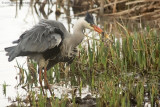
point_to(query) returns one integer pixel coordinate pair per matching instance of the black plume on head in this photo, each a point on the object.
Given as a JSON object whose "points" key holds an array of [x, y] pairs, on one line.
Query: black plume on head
{"points": [[89, 18]]}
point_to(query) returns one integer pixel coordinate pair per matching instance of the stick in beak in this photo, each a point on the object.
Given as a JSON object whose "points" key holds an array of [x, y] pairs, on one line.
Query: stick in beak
{"points": [[105, 35], [97, 29]]}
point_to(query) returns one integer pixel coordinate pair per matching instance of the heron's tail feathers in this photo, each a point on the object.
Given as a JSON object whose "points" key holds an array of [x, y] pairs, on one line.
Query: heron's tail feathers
{"points": [[10, 52]]}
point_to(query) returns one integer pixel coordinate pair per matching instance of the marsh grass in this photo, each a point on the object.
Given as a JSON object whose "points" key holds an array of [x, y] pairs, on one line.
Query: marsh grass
{"points": [[4, 88], [119, 73]]}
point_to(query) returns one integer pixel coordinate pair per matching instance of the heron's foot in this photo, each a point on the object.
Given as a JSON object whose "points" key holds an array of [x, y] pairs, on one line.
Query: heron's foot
{"points": [[47, 86]]}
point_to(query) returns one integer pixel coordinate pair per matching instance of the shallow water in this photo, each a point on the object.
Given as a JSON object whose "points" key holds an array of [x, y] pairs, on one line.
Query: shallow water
{"points": [[11, 28]]}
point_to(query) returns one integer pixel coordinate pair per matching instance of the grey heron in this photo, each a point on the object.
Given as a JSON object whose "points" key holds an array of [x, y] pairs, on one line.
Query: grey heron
{"points": [[49, 43]]}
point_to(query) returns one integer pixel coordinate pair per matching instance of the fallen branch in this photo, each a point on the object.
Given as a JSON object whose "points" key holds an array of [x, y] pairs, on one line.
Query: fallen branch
{"points": [[144, 15], [92, 10], [140, 1], [122, 12]]}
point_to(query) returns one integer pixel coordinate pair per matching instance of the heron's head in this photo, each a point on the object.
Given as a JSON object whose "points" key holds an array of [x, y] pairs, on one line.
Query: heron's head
{"points": [[90, 23]]}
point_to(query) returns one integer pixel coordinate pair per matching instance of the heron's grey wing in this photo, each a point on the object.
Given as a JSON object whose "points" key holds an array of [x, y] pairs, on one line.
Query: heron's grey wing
{"points": [[40, 38], [48, 42], [43, 27], [36, 40]]}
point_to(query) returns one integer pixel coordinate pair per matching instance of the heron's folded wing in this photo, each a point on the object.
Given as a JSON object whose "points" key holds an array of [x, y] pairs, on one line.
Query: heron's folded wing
{"points": [[49, 42], [40, 38]]}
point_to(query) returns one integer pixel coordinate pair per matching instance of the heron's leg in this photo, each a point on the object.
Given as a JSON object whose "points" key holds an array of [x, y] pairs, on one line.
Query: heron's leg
{"points": [[40, 79], [46, 80], [66, 70]]}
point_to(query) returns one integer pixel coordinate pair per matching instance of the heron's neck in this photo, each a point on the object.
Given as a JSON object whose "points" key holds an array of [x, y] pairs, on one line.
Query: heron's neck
{"points": [[78, 35]]}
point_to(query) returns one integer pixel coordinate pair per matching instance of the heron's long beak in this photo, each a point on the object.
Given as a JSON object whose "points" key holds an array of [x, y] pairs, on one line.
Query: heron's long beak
{"points": [[100, 31], [97, 29]]}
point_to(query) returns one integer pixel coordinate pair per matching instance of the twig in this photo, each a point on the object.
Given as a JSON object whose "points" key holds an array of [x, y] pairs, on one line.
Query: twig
{"points": [[42, 9], [16, 9], [102, 8], [114, 7]]}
